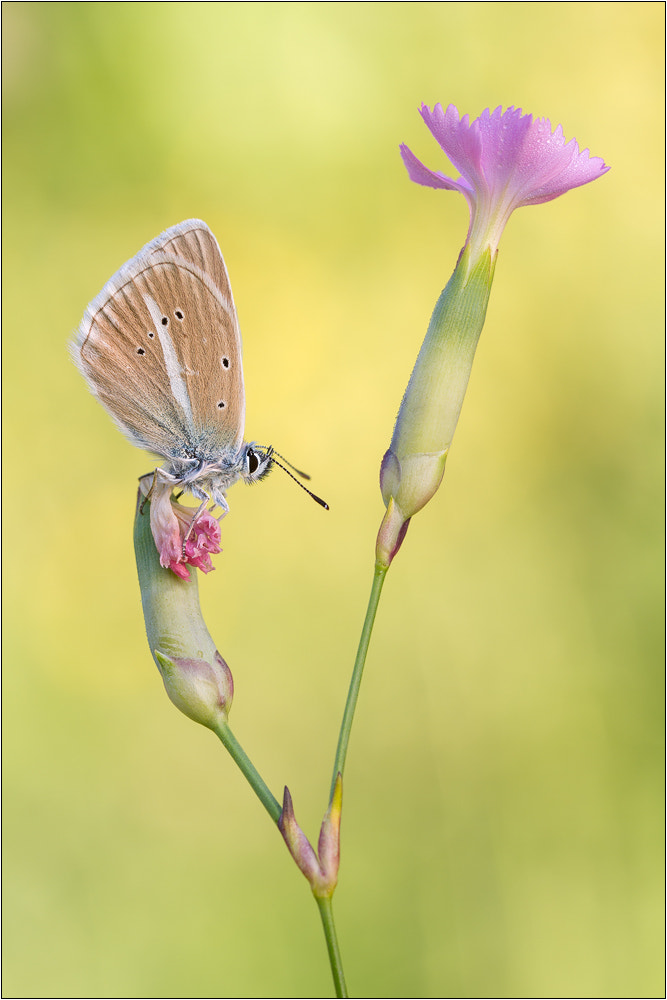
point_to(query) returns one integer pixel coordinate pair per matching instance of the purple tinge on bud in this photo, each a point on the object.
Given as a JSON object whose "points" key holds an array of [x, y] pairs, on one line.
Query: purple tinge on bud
{"points": [[200, 689], [328, 844], [180, 539], [297, 842], [393, 530], [321, 868], [506, 160]]}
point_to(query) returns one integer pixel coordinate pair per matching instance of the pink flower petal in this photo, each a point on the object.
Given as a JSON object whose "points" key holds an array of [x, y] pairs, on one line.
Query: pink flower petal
{"points": [[506, 160], [422, 175], [179, 568], [164, 523], [179, 541], [202, 537]]}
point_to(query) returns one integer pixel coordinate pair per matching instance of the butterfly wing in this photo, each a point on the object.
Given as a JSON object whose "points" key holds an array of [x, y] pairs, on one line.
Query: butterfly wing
{"points": [[194, 242], [160, 347]]}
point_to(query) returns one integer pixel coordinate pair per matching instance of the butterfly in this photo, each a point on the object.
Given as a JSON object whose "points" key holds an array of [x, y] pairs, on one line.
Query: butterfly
{"points": [[160, 347]]}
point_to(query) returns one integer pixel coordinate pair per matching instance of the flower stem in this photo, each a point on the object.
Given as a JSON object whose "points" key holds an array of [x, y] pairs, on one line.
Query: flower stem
{"points": [[326, 913], [355, 682], [274, 810], [249, 770]]}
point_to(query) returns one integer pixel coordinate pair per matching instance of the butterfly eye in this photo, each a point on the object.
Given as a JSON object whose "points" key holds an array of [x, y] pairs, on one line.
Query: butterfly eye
{"points": [[253, 462], [178, 314], [140, 350], [165, 321], [225, 362], [221, 405]]}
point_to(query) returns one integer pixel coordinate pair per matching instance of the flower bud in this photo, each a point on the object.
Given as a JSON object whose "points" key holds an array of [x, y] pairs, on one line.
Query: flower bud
{"points": [[201, 690], [196, 678], [320, 869]]}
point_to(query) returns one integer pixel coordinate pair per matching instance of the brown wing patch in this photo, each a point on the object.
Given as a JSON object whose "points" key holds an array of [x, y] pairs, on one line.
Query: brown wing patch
{"points": [[153, 347], [133, 386], [202, 328]]}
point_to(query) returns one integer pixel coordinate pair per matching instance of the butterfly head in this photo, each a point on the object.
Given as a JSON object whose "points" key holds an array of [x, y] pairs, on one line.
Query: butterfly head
{"points": [[257, 463]]}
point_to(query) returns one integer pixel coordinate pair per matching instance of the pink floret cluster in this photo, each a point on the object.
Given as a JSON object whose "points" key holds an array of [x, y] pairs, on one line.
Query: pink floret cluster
{"points": [[203, 541]]}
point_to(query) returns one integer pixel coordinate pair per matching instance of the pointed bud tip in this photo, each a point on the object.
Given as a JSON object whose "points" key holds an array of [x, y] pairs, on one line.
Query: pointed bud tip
{"points": [[287, 814], [297, 843], [392, 531]]}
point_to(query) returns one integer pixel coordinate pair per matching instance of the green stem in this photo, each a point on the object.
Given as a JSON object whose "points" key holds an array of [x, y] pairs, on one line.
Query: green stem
{"points": [[249, 770], [274, 810], [355, 683], [326, 913]]}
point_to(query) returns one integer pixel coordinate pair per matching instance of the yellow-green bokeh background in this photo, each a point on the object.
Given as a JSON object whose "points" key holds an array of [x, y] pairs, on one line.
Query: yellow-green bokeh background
{"points": [[502, 820]]}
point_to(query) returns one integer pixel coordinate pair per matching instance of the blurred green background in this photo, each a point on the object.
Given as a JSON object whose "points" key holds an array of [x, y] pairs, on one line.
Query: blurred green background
{"points": [[502, 829]]}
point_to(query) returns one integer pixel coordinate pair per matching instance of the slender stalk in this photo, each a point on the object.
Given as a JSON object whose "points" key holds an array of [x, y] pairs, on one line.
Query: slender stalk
{"points": [[274, 810], [326, 913], [249, 770], [355, 683]]}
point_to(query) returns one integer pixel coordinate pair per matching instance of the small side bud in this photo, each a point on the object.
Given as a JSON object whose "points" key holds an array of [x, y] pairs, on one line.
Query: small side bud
{"points": [[203, 691], [328, 845], [320, 869], [393, 530], [196, 677], [297, 842]]}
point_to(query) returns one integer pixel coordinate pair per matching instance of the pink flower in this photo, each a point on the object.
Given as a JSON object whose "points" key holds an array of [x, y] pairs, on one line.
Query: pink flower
{"points": [[172, 524], [203, 539], [506, 160]]}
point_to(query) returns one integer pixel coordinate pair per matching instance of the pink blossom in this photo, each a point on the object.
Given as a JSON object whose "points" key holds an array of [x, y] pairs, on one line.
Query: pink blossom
{"points": [[203, 538], [181, 540], [506, 160]]}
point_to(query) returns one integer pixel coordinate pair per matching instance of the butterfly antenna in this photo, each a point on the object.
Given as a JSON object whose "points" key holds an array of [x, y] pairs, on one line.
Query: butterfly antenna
{"points": [[270, 453]]}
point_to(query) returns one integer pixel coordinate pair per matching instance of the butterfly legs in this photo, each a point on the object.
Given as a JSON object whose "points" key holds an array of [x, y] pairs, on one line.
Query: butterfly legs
{"points": [[218, 500], [188, 533], [163, 482], [146, 491]]}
